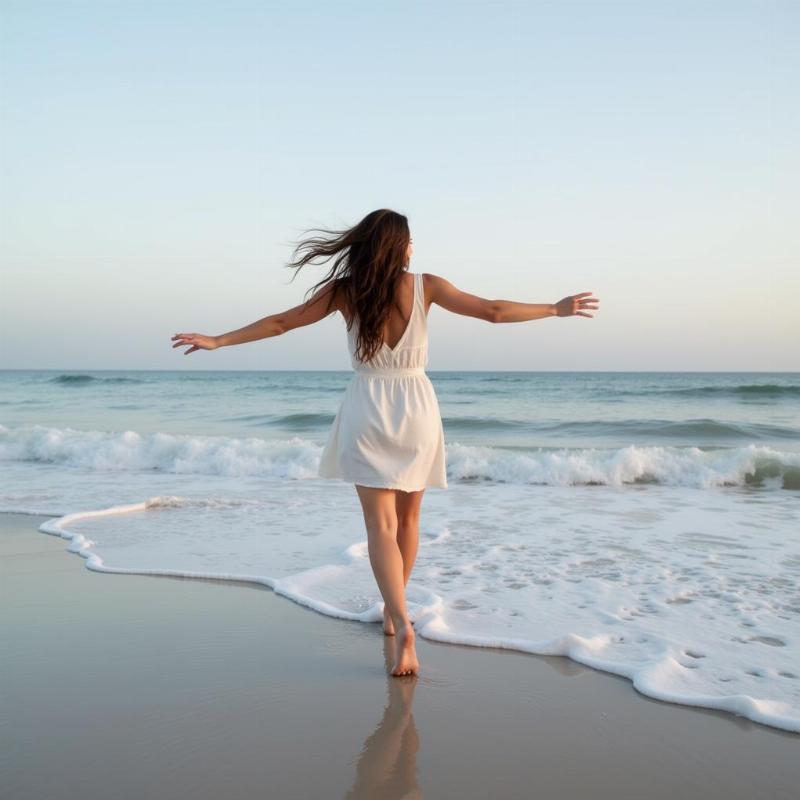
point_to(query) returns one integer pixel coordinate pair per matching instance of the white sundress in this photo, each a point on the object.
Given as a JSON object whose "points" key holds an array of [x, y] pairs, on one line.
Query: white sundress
{"points": [[388, 430]]}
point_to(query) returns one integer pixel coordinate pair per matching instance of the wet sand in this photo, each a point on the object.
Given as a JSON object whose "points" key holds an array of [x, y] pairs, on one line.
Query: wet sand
{"points": [[124, 686]]}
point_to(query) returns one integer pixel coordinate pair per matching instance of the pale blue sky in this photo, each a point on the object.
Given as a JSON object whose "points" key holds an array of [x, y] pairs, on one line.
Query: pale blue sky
{"points": [[159, 158]]}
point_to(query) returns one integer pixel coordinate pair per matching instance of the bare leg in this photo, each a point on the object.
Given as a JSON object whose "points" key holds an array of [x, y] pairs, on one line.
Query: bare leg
{"points": [[380, 517], [407, 505]]}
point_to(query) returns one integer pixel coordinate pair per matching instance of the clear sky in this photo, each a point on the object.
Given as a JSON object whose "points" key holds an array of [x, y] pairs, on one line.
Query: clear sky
{"points": [[158, 159]]}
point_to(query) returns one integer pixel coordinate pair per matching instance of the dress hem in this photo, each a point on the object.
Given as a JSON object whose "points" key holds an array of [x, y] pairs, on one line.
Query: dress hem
{"points": [[373, 485], [398, 488]]}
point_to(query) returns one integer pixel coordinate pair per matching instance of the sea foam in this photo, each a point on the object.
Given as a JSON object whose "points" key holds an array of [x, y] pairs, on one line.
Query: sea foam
{"points": [[689, 593]]}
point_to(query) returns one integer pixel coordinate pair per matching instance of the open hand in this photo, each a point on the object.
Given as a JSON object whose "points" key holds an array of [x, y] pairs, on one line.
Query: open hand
{"points": [[569, 305], [198, 341]]}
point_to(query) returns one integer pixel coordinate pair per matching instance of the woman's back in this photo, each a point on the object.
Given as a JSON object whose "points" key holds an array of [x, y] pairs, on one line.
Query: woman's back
{"points": [[405, 298], [409, 336]]}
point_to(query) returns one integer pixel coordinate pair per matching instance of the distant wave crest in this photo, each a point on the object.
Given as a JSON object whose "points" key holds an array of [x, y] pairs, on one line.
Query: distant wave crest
{"points": [[744, 389], [79, 379], [699, 430]]}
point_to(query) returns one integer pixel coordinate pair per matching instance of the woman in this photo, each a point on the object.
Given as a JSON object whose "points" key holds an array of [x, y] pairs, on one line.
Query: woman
{"points": [[387, 437]]}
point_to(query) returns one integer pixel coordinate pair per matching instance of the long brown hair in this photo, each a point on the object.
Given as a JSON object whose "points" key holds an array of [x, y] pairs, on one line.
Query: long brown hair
{"points": [[371, 258]]}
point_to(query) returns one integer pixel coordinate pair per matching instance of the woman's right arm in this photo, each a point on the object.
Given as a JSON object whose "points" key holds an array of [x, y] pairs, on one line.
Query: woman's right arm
{"points": [[443, 293], [306, 313]]}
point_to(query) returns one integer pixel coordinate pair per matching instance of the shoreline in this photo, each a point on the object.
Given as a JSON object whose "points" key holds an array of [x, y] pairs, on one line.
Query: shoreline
{"points": [[198, 686]]}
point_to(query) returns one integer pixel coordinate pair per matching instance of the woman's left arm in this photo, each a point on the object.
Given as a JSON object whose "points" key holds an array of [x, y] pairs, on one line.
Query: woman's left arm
{"points": [[317, 307]]}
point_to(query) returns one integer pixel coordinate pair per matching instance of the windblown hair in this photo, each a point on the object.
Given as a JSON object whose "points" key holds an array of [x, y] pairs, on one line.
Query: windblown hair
{"points": [[370, 259]]}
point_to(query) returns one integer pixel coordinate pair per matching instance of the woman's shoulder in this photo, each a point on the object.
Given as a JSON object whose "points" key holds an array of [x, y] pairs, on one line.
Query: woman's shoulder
{"points": [[339, 296]]}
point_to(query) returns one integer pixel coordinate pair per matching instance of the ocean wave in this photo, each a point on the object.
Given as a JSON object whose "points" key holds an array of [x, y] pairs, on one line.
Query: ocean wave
{"points": [[743, 389], [114, 451], [693, 429], [752, 465], [297, 422], [80, 379], [499, 385], [298, 458]]}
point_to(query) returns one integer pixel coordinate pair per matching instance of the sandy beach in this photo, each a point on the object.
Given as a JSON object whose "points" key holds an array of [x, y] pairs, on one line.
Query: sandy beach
{"points": [[120, 686]]}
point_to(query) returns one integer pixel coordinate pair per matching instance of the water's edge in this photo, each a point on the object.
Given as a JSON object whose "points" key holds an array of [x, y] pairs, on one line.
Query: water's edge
{"points": [[427, 618]]}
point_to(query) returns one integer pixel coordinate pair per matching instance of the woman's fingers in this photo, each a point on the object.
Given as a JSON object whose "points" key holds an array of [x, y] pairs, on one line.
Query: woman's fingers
{"points": [[590, 303], [197, 341], [570, 305], [183, 339]]}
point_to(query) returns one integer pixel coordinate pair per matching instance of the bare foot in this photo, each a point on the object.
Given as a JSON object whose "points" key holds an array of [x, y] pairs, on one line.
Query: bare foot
{"points": [[388, 625], [405, 659]]}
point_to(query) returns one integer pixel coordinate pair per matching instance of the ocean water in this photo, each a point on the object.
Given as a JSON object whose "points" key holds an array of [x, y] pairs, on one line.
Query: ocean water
{"points": [[645, 524]]}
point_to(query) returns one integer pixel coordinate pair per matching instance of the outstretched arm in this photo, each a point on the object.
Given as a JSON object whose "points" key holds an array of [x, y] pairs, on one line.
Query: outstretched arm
{"points": [[443, 293], [317, 307]]}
